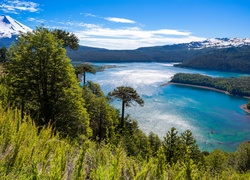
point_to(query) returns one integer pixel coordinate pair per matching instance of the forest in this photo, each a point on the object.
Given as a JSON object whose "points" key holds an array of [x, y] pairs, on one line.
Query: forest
{"points": [[51, 128], [235, 59], [235, 86]]}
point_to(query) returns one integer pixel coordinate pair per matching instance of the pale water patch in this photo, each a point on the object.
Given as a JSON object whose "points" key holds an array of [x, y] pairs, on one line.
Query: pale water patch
{"points": [[216, 119]]}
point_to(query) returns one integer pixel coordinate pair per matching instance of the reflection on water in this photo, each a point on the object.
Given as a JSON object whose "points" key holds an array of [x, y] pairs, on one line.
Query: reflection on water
{"points": [[215, 119]]}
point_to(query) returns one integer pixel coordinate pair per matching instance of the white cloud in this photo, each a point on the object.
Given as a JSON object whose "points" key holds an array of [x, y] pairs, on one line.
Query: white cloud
{"points": [[17, 6], [119, 20], [132, 38], [36, 20]]}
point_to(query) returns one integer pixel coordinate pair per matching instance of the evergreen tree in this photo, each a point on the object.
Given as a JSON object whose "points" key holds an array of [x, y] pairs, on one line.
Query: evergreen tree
{"points": [[172, 146], [42, 83], [242, 156], [154, 142], [3, 54], [127, 95], [103, 117], [83, 69], [188, 144], [69, 40]]}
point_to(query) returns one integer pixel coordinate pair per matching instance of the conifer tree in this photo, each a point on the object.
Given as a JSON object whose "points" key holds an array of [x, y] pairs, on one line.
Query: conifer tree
{"points": [[172, 146], [103, 117], [42, 82], [83, 69], [127, 95]]}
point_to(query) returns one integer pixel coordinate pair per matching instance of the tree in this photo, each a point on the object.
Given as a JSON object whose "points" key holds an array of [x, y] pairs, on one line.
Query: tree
{"points": [[189, 145], [172, 146], [69, 40], [3, 52], [42, 83], [82, 69], [243, 157], [103, 117], [127, 95]]}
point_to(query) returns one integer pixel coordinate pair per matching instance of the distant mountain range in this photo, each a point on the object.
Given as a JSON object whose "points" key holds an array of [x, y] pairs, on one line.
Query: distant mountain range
{"points": [[227, 54]]}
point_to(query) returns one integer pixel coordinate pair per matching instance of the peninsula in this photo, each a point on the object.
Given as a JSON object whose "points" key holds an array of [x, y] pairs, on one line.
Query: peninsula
{"points": [[232, 86]]}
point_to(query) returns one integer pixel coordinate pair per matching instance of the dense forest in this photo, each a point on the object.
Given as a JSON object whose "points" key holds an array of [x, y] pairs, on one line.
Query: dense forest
{"points": [[51, 128], [235, 86], [235, 59]]}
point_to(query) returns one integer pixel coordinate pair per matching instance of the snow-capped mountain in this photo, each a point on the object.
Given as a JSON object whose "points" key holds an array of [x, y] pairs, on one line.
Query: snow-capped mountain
{"points": [[220, 43], [10, 27]]}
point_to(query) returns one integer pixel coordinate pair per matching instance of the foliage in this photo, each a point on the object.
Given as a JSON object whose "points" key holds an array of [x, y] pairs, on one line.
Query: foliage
{"points": [[235, 59], [42, 83], [27, 154], [69, 40], [127, 95], [103, 117], [39, 93], [177, 148], [82, 69], [236, 86], [3, 54]]}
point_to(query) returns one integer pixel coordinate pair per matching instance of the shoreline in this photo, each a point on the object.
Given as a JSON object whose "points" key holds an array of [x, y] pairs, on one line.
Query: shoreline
{"points": [[244, 107], [198, 86]]}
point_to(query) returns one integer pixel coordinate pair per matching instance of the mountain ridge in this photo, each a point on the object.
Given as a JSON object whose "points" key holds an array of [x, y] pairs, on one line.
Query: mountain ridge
{"points": [[232, 54]]}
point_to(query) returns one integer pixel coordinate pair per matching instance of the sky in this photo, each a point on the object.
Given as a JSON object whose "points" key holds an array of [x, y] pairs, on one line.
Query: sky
{"points": [[130, 24]]}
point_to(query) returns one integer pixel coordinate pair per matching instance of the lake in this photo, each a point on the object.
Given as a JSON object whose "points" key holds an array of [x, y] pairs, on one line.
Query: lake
{"points": [[216, 119]]}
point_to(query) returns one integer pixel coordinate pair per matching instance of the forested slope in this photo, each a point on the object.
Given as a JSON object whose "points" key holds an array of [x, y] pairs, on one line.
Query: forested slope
{"points": [[229, 59]]}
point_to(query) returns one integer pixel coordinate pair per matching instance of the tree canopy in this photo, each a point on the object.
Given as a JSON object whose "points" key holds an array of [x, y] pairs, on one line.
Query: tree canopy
{"points": [[83, 69], [128, 96], [42, 83], [69, 40]]}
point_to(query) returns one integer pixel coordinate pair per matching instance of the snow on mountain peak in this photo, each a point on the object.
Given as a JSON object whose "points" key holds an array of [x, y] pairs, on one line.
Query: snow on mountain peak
{"points": [[10, 27], [220, 43]]}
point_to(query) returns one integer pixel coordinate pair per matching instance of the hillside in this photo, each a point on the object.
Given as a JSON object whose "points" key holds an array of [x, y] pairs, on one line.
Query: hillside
{"points": [[234, 59], [223, 54]]}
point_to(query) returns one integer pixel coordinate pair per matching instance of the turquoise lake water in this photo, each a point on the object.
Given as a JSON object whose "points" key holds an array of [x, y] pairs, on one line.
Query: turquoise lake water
{"points": [[216, 119]]}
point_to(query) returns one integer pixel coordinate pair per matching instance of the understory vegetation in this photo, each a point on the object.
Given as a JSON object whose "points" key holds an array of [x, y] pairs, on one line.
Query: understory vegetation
{"points": [[51, 128]]}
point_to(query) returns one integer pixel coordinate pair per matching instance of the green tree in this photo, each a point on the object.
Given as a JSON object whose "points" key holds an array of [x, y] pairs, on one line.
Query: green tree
{"points": [[83, 69], [69, 40], [216, 162], [42, 82], [188, 144], [127, 95], [103, 117], [242, 157], [3, 54], [154, 142], [172, 146]]}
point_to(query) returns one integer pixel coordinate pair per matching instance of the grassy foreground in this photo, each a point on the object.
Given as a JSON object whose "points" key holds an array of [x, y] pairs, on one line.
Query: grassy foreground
{"points": [[27, 154]]}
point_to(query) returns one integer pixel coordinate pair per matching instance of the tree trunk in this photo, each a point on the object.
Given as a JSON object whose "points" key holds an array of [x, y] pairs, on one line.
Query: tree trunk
{"points": [[123, 109], [84, 78]]}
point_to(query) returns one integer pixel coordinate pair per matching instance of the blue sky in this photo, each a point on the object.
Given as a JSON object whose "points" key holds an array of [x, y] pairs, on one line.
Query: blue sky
{"points": [[129, 24]]}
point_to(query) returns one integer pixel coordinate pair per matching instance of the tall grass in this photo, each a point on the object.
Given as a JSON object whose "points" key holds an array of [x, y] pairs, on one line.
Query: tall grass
{"points": [[29, 153]]}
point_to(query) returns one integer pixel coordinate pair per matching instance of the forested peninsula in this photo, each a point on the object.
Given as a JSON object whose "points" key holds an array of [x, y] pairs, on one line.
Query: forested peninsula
{"points": [[234, 86]]}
